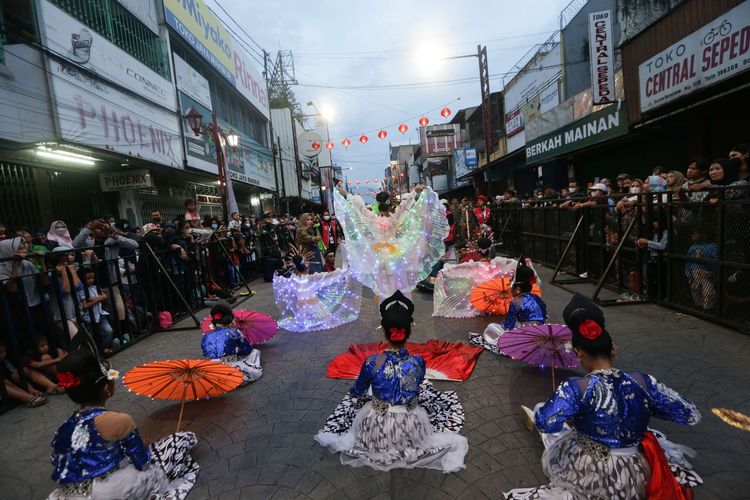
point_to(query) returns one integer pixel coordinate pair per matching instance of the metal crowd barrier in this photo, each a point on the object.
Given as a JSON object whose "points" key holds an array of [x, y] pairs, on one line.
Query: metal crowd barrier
{"points": [[703, 268], [142, 286]]}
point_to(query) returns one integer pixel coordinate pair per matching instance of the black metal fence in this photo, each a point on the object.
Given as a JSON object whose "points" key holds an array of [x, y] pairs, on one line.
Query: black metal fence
{"points": [[116, 294], [688, 251]]}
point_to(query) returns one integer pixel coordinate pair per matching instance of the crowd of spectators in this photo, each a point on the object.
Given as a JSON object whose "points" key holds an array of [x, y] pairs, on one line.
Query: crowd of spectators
{"points": [[116, 282]]}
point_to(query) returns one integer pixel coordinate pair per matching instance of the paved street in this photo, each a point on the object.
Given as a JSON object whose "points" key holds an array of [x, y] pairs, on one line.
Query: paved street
{"points": [[257, 442]]}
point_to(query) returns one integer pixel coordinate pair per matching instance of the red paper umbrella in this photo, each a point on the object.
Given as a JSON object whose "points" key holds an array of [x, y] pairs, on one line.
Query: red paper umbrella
{"points": [[329, 145], [424, 121], [445, 360], [445, 112], [403, 128], [315, 145], [255, 326], [382, 134], [363, 138], [346, 143]]}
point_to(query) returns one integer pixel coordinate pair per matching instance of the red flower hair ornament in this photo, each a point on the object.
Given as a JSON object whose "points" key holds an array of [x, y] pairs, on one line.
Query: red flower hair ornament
{"points": [[68, 380], [397, 334], [590, 329], [217, 316]]}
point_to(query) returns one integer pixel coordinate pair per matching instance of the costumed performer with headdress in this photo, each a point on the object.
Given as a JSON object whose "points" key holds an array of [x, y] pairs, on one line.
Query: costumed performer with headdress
{"points": [[99, 454], [595, 428], [406, 423], [455, 282], [526, 308], [228, 345], [310, 302], [397, 247]]}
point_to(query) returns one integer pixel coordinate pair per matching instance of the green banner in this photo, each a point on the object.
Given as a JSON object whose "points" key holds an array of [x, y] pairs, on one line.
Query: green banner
{"points": [[599, 126]]}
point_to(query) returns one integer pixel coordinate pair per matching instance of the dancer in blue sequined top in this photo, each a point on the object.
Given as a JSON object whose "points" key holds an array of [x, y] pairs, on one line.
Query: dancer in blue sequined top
{"points": [[394, 376], [595, 428], [392, 429], [99, 454], [228, 345]]}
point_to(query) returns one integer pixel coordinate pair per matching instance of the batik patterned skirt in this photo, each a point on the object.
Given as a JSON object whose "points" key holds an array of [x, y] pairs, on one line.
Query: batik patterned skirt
{"points": [[580, 468], [249, 365], [170, 476], [369, 432]]}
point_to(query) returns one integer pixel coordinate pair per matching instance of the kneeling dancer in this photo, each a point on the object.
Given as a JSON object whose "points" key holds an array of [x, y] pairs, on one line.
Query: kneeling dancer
{"points": [[595, 428], [228, 345], [406, 423], [99, 454]]}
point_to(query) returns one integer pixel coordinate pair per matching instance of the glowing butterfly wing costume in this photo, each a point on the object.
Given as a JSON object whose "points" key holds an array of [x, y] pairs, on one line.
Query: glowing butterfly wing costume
{"points": [[317, 301], [455, 282], [393, 253]]}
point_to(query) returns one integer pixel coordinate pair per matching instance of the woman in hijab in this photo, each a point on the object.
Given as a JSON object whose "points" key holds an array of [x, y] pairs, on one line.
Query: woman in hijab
{"points": [[58, 236], [675, 180], [21, 279], [723, 172]]}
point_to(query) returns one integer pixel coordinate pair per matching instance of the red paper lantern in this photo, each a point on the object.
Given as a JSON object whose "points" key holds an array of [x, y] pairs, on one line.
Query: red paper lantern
{"points": [[315, 145], [367, 181], [363, 138], [375, 181], [329, 145], [382, 134], [445, 112], [340, 183], [357, 183], [346, 143], [403, 128], [393, 177], [348, 183], [424, 121], [385, 179]]}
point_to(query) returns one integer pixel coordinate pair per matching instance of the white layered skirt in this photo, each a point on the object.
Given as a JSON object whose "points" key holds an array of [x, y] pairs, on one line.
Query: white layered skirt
{"points": [[249, 365], [369, 432]]}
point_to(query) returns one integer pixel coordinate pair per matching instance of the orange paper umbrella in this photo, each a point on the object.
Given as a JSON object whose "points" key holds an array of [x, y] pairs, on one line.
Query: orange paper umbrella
{"points": [[492, 297], [182, 379]]}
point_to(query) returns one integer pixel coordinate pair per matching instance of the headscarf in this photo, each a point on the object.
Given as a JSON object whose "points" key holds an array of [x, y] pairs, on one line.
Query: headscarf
{"points": [[62, 238], [730, 168], [679, 181], [8, 249]]}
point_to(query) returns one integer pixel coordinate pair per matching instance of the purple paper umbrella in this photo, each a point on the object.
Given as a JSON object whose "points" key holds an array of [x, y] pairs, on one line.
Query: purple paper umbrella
{"points": [[540, 345]]}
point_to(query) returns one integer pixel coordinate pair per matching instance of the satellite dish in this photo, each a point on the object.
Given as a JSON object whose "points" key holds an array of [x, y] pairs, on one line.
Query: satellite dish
{"points": [[306, 140]]}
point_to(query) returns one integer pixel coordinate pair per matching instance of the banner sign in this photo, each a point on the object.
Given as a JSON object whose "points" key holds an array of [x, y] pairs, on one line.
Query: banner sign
{"points": [[513, 123], [207, 199], [123, 181], [440, 140], [194, 21], [461, 164], [191, 82], [68, 38], [597, 127], [471, 157], [601, 48], [91, 112], [717, 51], [251, 163]]}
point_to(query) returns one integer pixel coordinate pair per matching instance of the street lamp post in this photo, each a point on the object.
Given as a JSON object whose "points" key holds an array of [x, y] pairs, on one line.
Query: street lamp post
{"points": [[195, 120]]}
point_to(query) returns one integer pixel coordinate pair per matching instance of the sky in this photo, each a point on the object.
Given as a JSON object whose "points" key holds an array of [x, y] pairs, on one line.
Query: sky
{"points": [[346, 45]]}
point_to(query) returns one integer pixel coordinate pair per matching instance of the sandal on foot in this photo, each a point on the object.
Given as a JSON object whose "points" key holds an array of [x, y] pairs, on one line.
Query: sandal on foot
{"points": [[56, 391], [527, 417], [36, 401]]}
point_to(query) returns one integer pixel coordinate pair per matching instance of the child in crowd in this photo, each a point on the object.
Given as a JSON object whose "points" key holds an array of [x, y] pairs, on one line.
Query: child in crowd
{"points": [[28, 394], [98, 453], [229, 346], [702, 276], [91, 299], [64, 284], [42, 359], [329, 265]]}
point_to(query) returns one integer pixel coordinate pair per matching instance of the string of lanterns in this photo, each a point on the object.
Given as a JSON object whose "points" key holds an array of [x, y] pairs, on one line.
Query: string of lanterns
{"points": [[375, 182], [382, 134]]}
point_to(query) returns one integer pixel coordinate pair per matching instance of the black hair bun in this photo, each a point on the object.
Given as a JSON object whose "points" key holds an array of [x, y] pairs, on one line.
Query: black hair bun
{"points": [[299, 263], [221, 314]]}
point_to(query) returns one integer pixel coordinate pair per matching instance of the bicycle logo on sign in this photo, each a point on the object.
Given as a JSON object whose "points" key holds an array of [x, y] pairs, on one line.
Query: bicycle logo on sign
{"points": [[721, 30]]}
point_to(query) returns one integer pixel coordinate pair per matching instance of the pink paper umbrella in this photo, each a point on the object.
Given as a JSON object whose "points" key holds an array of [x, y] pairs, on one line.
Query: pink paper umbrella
{"points": [[255, 326], [540, 345]]}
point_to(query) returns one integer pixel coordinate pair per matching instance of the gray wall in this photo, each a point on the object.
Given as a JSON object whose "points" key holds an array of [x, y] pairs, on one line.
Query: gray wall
{"points": [[575, 43], [636, 15]]}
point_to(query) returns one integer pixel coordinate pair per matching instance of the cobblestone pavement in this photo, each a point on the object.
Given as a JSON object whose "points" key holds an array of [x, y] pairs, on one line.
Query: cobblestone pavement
{"points": [[257, 442]]}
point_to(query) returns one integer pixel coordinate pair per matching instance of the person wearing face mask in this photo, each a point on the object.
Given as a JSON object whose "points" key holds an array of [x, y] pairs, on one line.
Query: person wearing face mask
{"points": [[331, 232], [58, 236]]}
